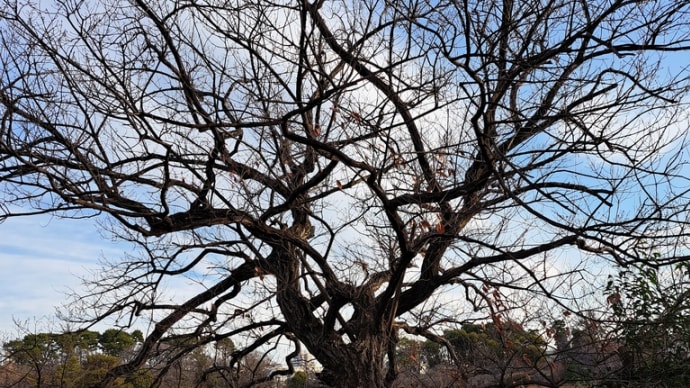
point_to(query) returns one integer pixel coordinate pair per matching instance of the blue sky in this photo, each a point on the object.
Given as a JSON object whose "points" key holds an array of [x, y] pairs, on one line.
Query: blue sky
{"points": [[41, 258]]}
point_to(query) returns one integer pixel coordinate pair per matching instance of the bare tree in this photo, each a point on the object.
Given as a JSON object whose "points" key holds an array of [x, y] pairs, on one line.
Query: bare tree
{"points": [[329, 172]]}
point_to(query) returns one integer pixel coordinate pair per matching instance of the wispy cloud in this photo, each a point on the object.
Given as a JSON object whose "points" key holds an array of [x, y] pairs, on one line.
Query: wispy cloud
{"points": [[41, 258]]}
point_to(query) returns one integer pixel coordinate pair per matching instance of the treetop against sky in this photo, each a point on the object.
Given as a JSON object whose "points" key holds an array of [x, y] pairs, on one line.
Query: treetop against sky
{"points": [[318, 174]]}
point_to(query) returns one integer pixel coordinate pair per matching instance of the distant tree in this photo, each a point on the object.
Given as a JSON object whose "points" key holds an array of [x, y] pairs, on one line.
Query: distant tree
{"points": [[140, 379], [224, 349], [408, 355], [433, 354], [114, 342], [297, 380], [651, 309], [70, 360], [493, 347], [137, 335], [186, 370], [78, 344], [69, 372], [37, 351], [328, 173], [95, 368], [586, 352]]}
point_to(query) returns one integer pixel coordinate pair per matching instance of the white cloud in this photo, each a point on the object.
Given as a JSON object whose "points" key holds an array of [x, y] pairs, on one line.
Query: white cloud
{"points": [[41, 258]]}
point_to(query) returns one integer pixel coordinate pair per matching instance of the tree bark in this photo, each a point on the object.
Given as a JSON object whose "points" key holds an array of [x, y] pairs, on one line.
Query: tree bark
{"points": [[362, 365], [352, 356]]}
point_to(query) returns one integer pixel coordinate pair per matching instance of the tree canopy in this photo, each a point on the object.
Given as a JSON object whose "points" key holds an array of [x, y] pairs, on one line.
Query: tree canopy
{"points": [[328, 174], [71, 359]]}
